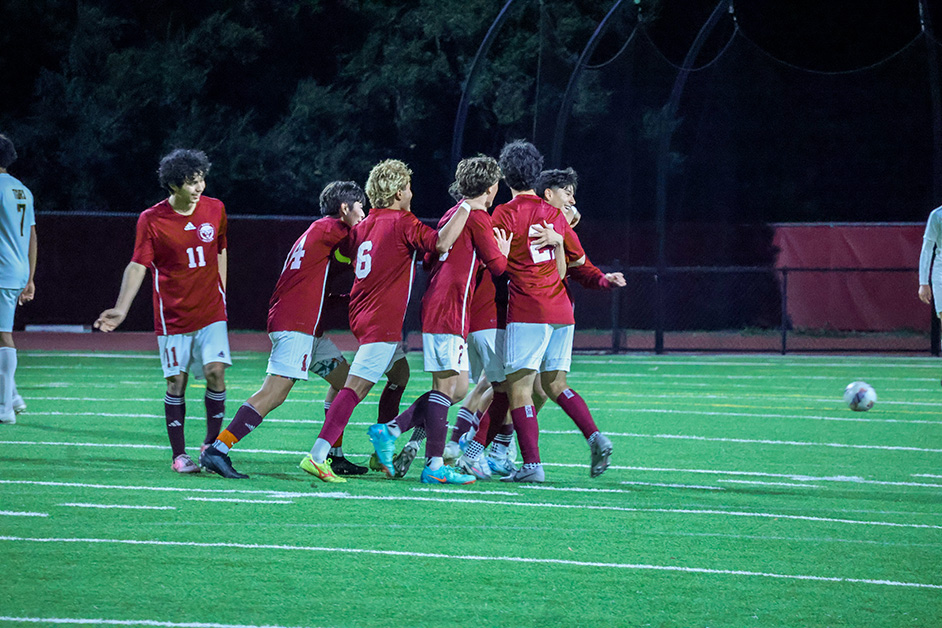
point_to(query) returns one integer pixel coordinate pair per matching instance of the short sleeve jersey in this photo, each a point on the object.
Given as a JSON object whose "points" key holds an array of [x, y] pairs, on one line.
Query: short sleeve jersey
{"points": [[298, 301], [383, 248], [932, 239], [16, 221], [537, 293], [182, 253], [447, 302]]}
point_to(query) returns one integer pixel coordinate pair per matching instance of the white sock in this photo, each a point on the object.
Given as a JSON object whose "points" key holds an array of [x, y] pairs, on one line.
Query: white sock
{"points": [[320, 450], [7, 385], [435, 462]]}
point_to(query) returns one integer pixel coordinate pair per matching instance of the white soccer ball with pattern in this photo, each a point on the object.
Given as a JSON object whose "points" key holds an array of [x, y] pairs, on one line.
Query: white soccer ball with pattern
{"points": [[860, 396]]}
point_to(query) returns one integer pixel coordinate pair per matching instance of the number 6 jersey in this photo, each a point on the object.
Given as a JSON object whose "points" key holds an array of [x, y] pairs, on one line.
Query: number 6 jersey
{"points": [[182, 253], [383, 251]]}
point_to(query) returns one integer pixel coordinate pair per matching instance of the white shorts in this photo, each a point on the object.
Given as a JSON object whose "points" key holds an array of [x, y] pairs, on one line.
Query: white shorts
{"points": [[183, 353], [538, 347], [486, 353], [8, 301], [375, 358], [294, 354], [444, 352]]}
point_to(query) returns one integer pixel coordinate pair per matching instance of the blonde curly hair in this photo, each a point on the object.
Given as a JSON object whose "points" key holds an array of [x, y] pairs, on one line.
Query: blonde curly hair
{"points": [[386, 179]]}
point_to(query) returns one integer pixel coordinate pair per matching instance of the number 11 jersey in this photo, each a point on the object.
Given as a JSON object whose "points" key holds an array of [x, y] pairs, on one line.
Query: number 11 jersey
{"points": [[182, 253]]}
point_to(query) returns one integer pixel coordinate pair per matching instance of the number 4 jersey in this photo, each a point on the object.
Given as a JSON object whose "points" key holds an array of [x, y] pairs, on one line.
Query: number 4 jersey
{"points": [[16, 221], [298, 300], [182, 253]]}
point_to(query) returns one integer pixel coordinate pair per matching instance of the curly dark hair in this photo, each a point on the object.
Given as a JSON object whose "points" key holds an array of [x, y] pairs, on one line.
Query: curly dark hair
{"points": [[521, 164], [475, 175], [336, 193], [7, 152], [555, 179], [182, 165]]}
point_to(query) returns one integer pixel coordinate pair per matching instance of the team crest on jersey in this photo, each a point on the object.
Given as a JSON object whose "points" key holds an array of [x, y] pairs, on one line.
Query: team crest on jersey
{"points": [[207, 232]]}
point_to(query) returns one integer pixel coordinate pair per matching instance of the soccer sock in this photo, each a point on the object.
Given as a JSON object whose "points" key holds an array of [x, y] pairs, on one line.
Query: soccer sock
{"points": [[434, 463], [436, 423], [245, 420], [497, 413], [337, 450], [418, 435], [574, 406], [337, 418], [528, 433], [389, 402], [175, 413], [215, 402], [464, 422], [411, 416], [7, 385], [474, 450]]}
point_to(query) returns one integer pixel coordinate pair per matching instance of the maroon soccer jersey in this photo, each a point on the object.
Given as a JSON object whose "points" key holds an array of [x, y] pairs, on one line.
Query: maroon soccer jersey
{"points": [[181, 252], [537, 293], [298, 300], [383, 248], [447, 301]]}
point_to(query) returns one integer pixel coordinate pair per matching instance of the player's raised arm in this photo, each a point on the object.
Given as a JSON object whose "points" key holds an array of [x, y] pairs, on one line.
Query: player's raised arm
{"points": [[449, 233], [130, 283]]}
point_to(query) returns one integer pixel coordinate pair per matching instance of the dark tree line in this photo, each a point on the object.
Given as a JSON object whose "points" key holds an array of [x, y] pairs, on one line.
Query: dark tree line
{"points": [[288, 95]]}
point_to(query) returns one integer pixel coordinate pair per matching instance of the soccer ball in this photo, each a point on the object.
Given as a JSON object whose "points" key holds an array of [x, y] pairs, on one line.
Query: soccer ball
{"points": [[860, 396]]}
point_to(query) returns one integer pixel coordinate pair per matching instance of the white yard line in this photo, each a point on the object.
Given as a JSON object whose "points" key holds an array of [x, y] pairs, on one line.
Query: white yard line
{"points": [[14, 513], [458, 557], [505, 504], [118, 506], [126, 622]]}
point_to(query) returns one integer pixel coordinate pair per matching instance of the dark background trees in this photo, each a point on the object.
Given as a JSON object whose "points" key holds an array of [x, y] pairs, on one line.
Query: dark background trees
{"points": [[784, 118]]}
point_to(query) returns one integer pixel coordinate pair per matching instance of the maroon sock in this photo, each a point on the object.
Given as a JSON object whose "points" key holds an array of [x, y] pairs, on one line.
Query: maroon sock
{"points": [[175, 413], [498, 413], [484, 428], [413, 415], [245, 420], [339, 415], [436, 423], [463, 424], [574, 406], [389, 402], [215, 402], [528, 433]]}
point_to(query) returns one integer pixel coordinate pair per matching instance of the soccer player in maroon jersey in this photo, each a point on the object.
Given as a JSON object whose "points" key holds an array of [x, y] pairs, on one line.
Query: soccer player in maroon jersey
{"points": [[182, 239], [558, 188], [294, 326], [540, 319], [384, 247], [446, 314]]}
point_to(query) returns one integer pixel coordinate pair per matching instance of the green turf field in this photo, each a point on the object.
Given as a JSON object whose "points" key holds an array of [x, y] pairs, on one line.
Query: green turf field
{"points": [[743, 493]]}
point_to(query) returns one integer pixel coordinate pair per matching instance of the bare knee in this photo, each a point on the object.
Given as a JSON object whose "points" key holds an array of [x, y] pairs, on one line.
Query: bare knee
{"points": [[215, 374]]}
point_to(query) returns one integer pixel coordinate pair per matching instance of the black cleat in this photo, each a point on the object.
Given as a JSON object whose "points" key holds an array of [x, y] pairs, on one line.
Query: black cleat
{"points": [[341, 466], [218, 462]]}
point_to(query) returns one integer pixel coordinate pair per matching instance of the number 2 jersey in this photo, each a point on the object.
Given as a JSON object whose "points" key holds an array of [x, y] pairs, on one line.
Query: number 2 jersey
{"points": [[537, 293], [16, 222], [182, 253], [298, 301], [383, 248]]}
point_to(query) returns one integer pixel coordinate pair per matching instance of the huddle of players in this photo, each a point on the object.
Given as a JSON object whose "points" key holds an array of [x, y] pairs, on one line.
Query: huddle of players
{"points": [[174, 237]]}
